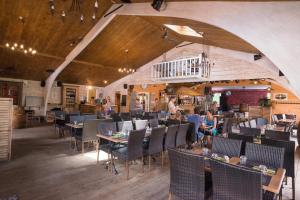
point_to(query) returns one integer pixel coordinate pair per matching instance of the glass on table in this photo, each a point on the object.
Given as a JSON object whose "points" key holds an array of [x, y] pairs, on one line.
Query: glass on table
{"points": [[75, 122], [205, 151], [110, 132], [243, 160]]}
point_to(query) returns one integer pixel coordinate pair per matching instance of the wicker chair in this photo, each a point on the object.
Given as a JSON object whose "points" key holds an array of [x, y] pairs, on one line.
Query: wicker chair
{"points": [[188, 180], [258, 154], [247, 124], [244, 138], [225, 146], [133, 151], [155, 144], [232, 182], [277, 135], [227, 126], [89, 117], [89, 132], [181, 135], [141, 124], [116, 117], [289, 157], [241, 124], [171, 137], [153, 123], [125, 116], [254, 132]]}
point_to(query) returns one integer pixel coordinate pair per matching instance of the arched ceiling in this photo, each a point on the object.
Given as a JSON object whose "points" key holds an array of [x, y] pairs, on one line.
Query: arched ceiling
{"points": [[100, 61]]}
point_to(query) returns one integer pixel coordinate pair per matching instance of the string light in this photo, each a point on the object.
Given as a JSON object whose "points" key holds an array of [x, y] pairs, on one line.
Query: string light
{"points": [[7, 44], [105, 81]]}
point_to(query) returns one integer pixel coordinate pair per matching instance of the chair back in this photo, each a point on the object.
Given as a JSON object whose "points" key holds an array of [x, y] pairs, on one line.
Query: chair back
{"points": [[181, 135], [172, 121], [227, 126], [187, 175], [105, 127], [235, 183], [76, 118], [290, 116], [74, 113], [247, 124], [125, 126], [244, 138], [59, 113], [253, 123], [298, 135], [289, 154], [135, 144], [171, 137], [254, 132], [141, 124], [274, 118], [156, 140], [153, 123], [90, 129], [261, 122], [89, 117], [116, 117], [161, 115], [125, 116], [279, 116], [258, 154], [226, 146], [277, 135]]}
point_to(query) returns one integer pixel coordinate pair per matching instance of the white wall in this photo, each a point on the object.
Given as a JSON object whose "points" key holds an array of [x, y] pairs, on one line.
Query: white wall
{"points": [[229, 65]]}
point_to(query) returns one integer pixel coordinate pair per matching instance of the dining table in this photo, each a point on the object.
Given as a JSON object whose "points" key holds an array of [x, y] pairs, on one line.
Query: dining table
{"points": [[274, 182], [74, 127]]}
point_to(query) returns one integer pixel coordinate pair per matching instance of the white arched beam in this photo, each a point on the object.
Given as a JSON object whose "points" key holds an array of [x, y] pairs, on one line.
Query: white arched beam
{"points": [[89, 37], [272, 27]]}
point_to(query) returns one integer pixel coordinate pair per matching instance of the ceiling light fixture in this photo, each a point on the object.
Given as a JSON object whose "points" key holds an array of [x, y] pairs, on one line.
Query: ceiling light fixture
{"points": [[157, 4], [126, 69], [21, 48]]}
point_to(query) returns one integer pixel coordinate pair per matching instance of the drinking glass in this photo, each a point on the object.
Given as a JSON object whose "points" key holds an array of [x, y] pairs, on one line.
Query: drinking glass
{"points": [[243, 160], [205, 151]]}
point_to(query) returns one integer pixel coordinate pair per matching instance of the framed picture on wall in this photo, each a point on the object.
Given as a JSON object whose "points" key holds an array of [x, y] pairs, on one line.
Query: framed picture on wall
{"points": [[280, 96]]}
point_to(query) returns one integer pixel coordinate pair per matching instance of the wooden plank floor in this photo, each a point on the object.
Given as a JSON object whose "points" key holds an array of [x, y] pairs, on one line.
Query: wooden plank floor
{"points": [[44, 167]]}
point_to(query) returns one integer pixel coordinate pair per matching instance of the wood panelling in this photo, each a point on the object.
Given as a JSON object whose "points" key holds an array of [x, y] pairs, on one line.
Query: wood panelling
{"points": [[6, 115], [46, 33]]}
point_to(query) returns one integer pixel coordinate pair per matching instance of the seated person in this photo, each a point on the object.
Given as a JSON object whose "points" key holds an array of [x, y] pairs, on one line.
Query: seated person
{"points": [[198, 121], [210, 124]]}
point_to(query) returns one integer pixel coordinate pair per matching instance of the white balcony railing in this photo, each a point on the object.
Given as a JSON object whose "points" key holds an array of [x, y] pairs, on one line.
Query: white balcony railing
{"points": [[193, 68]]}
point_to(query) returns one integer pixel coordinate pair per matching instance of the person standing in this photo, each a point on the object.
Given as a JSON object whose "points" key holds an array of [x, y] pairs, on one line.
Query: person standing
{"points": [[172, 109]]}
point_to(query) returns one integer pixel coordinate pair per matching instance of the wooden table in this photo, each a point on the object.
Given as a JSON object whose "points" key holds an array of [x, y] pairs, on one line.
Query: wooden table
{"points": [[276, 180], [75, 127]]}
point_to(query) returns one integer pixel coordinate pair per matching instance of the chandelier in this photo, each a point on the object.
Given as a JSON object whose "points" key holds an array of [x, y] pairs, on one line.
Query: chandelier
{"points": [[76, 6], [126, 68], [21, 48]]}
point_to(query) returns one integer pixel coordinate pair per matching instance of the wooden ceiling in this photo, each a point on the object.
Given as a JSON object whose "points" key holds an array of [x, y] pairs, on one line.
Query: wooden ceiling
{"points": [[49, 35], [100, 61]]}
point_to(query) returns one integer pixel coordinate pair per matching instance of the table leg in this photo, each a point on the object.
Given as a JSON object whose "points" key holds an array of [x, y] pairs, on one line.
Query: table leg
{"points": [[98, 150]]}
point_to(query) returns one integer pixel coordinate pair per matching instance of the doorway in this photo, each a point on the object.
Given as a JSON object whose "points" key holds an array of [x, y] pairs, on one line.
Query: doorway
{"points": [[118, 101]]}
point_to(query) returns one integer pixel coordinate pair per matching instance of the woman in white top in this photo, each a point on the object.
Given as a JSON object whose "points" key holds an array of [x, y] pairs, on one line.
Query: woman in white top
{"points": [[171, 106]]}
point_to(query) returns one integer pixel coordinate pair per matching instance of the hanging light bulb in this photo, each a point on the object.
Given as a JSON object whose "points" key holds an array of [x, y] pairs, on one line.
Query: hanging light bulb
{"points": [[7, 44], [94, 16], [21, 46], [33, 52], [30, 49], [119, 69], [25, 51], [15, 44], [63, 14], [133, 70], [13, 48], [124, 69], [96, 4], [81, 18], [105, 81]]}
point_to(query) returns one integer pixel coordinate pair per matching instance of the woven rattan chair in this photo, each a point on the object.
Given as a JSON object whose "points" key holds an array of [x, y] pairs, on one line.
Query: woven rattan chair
{"points": [[133, 151], [153, 123], [155, 144], [289, 157], [232, 182], [244, 138], [181, 135], [258, 154], [277, 135], [187, 176], [125, 116], [227, 126], [254, 132], [225, 146], [171, 137], [89, 132]]}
